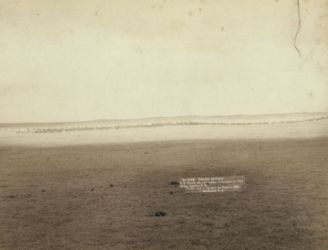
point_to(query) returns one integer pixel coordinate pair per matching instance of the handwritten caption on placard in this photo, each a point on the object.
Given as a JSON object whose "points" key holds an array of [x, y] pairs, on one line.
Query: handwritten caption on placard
{"points": [[213, 184]]}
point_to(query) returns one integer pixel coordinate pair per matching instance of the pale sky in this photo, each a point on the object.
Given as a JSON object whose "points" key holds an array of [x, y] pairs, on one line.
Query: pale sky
{"points": [[80, 60]]}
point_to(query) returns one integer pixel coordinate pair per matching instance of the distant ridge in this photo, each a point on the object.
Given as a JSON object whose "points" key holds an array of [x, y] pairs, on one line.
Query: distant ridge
{"points": [[160, 122]]}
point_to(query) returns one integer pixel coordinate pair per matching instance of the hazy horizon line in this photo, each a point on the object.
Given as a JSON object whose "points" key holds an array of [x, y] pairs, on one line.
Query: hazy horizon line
{"points": [[192, 119]]}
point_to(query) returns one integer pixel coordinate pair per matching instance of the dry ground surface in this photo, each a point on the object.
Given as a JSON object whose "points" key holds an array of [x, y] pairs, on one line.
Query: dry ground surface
{"points": [[105, 196]]}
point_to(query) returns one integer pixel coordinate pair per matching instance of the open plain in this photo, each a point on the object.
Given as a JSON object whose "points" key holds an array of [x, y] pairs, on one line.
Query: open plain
{"points": [[107, 196]]}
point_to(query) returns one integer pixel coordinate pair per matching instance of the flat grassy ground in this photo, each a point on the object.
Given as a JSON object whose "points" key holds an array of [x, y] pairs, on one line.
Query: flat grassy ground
{"points": [[105, 196]]}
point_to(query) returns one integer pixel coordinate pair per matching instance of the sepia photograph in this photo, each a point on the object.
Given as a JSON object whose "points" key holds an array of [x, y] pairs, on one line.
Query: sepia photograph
{"points": [[164, 124]]}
